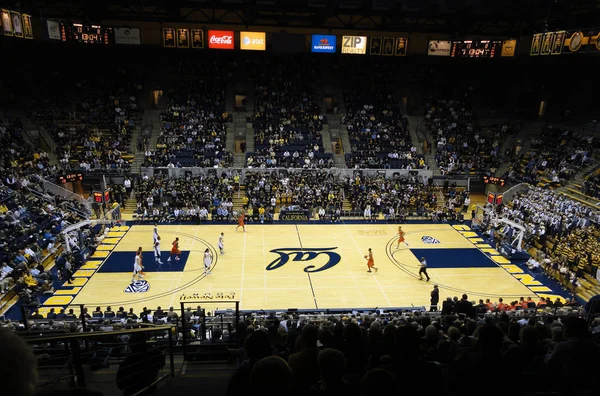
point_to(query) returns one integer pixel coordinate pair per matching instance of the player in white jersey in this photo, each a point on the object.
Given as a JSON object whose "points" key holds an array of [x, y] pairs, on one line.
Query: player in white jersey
{"points": [[155, 233], [137, 266], [207, 261], [221, 243], [157, 252]]}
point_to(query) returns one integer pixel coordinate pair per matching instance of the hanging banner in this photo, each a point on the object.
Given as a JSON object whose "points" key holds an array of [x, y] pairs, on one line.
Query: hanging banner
{"points": [[197, 38], [375, 46], [27, 29], [17, 24], [559, 42], [183, 38], [388, 46], [401, 46], [169, 38], [536, 44], [7, 23]]}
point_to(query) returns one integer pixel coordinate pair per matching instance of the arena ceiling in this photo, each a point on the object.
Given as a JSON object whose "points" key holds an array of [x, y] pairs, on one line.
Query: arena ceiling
{"points": [[460, 17]]}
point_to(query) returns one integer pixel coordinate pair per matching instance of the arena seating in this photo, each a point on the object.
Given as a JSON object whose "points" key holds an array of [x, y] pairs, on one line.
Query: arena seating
{"points": [[555, 156], [268, 192], [561, 231], [30, 219], [162, 199], [93, 128], [286, 119], [378, 133], [462, 147], [194, 127]]}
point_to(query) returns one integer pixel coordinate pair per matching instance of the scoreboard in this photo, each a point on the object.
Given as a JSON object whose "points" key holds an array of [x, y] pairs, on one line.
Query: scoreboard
{"points": [[476, 49], [86, 34]]}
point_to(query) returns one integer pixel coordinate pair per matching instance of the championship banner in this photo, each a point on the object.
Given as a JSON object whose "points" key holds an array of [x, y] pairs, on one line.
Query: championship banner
{"points": [[401, 46], [183, 38], [169, 38], [536, 44], [388, 46], [559, 42], [509, 48], [547, 43], [7, 26], [17, 24], [253, 41], [354, 45], [197, 38], [439, 47], [127, 36], [375, 46], [27, 29], [53, 30]]}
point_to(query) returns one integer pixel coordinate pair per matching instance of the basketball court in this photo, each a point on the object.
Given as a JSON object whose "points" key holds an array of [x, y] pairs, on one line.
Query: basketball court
{"points": [[304, 266]]}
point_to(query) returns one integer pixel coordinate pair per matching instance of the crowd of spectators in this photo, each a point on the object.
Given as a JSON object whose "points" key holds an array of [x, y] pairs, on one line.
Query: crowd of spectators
{"points": [[461, 146], [563, 232], [378, 133], [30, 218], [591, 186], [287, 120], [92, 129], [268, 192], [555, 156], [194, 126], [370, 353], [190, 198], [397, 197]]}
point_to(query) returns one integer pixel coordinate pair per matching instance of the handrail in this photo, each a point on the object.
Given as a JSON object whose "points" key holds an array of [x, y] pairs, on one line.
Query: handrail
{"points": [[72, 336]]}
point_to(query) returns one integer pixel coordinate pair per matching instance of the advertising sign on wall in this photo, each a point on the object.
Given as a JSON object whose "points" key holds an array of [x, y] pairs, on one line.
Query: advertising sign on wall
{"points": [[220, 39], [254, 41], [439, 47], [323, 43], [354, 45]]}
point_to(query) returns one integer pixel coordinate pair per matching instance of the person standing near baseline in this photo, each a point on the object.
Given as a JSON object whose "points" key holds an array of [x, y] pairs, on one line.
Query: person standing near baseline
{"points": [[423, 269], [435, 299], [207, 261]]}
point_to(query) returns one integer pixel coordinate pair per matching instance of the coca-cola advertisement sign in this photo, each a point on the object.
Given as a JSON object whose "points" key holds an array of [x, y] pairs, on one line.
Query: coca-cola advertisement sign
{"points": [[220, 39]]}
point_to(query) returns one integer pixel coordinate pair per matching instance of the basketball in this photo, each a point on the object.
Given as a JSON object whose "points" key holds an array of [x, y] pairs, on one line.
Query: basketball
{"points": [[366, 256]]}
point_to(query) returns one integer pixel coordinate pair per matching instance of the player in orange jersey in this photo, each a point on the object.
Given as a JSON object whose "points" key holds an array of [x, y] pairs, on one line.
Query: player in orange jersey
{"points": [[401, 239], [370, 261], [175, 250], [241, 222]]}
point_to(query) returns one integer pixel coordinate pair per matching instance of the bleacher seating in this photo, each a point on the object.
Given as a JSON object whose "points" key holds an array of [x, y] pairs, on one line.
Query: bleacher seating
{"points": [[92, 129], [286, 119], [554, 157], [194, 126], [378, 133]]}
